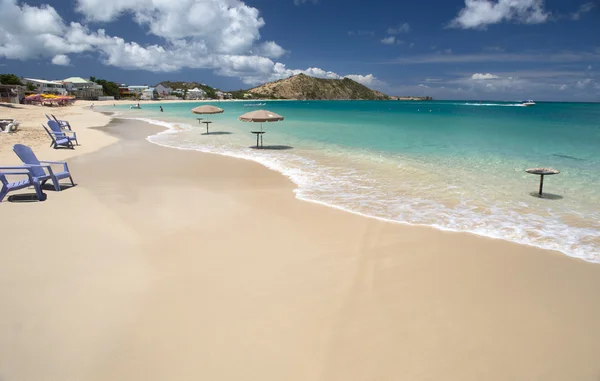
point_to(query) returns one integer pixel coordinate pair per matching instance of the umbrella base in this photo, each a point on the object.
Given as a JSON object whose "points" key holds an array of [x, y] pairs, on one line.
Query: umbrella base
{"points": [[259, 135]]}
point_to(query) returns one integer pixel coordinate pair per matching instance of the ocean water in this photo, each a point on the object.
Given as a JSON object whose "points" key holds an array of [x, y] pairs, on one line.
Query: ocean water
{"points": [[453, 165]]}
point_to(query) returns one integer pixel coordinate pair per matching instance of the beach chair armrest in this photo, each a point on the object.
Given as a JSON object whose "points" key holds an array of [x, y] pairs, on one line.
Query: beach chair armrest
{"points": [[64, 163], [26, 173], [14, 171], [25, 167]]}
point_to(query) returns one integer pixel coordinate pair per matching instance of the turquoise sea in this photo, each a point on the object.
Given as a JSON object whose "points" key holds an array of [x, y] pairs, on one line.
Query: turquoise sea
{"points": [[454, 165]]}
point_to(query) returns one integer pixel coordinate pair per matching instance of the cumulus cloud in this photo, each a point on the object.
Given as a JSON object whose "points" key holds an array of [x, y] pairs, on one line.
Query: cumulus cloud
{"points": [[61, 60], [389, 40], [481, 13], [402, 28], [481, 76], [219, 35], [270, 49], [584, 8], [225, 26]]}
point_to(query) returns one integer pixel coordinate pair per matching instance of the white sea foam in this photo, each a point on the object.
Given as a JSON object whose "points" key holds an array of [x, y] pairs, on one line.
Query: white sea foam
{"points": [[354, 191], [492, 104]]}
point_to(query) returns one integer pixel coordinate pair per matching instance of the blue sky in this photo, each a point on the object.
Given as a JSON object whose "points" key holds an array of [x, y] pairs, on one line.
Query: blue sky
{"points": [[449, 49]]}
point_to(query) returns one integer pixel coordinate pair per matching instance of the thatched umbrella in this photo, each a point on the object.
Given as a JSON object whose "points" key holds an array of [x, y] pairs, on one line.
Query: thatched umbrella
{"points": [[260, 116], [542, 172], [207, 110]]}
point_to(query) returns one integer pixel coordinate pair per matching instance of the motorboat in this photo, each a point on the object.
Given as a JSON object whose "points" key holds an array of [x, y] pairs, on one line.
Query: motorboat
{"points": [[528, 103], [255, 104]]}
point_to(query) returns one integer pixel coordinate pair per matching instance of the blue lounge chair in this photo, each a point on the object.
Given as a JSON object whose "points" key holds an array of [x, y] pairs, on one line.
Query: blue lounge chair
{"points": [[16, 185], [38, 168], [61, 123], [58, 139], [55, 127]]}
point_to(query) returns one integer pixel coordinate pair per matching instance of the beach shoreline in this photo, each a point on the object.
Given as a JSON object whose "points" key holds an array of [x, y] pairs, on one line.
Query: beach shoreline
{"points": [[179, 126]]}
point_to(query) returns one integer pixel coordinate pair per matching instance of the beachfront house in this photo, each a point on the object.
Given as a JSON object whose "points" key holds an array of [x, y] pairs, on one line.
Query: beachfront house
{"points": [[43, 86], [227, 96], [83, 89], [11, 93], [196, 93], [136, 90], [219, 94], [247, 95], [163, 90], [147, 94]]}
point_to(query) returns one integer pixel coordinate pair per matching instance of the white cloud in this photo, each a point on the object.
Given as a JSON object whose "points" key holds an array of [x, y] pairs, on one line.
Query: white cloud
{"points": [[481, 13], [402, 28], [582, 84], [584, 8], [300, 2], [368, 80], [389, 40], [219, 35], [61, 59], [224, 26], [480, 76], [270, 49]]}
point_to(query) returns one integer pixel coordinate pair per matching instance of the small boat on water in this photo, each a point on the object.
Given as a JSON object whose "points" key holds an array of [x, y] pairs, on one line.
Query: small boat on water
{"points": [[255, 104], [528, 103]]}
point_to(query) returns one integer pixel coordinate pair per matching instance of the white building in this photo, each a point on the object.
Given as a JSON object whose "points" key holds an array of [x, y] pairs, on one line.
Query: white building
{"points": [[163, 90], [219, 94], [137, 90], [148, 94], [196, 94], [47, 87], [82, 88]]}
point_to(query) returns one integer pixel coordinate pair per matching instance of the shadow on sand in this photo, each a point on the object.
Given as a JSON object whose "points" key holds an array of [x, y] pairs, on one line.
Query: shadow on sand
{"points": [[9, 105], [50, 187], [273, 148], [546, 196], [218, 133], [25, 198], [32, 197]]}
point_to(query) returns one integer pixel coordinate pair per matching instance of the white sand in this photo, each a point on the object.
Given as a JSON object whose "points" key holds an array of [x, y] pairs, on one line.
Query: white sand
{"points": [[175, 265]]}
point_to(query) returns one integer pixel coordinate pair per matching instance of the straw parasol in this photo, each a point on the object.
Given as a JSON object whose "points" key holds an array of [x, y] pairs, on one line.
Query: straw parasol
{"points": [[260, 116], [207, 110]]}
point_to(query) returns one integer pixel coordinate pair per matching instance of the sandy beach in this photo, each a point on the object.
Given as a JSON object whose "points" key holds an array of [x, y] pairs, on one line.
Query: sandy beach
{"points": [[165, 264]]}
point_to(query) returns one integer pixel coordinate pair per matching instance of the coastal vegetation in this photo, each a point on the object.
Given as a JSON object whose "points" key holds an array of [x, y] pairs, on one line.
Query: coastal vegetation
{"points": [[9, 79], [108, 88]]}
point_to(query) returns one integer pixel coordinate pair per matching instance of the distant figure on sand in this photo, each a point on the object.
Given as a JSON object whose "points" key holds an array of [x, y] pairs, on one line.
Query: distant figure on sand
{"points": [[91, 105], [161, 109]]}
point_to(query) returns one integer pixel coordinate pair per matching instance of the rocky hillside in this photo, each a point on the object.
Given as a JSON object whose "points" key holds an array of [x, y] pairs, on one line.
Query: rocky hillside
{"points": [[304, 87]]}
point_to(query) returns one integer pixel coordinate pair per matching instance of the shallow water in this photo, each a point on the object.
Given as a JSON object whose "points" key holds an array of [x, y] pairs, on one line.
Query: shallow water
{"points": [[452, 165]]}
